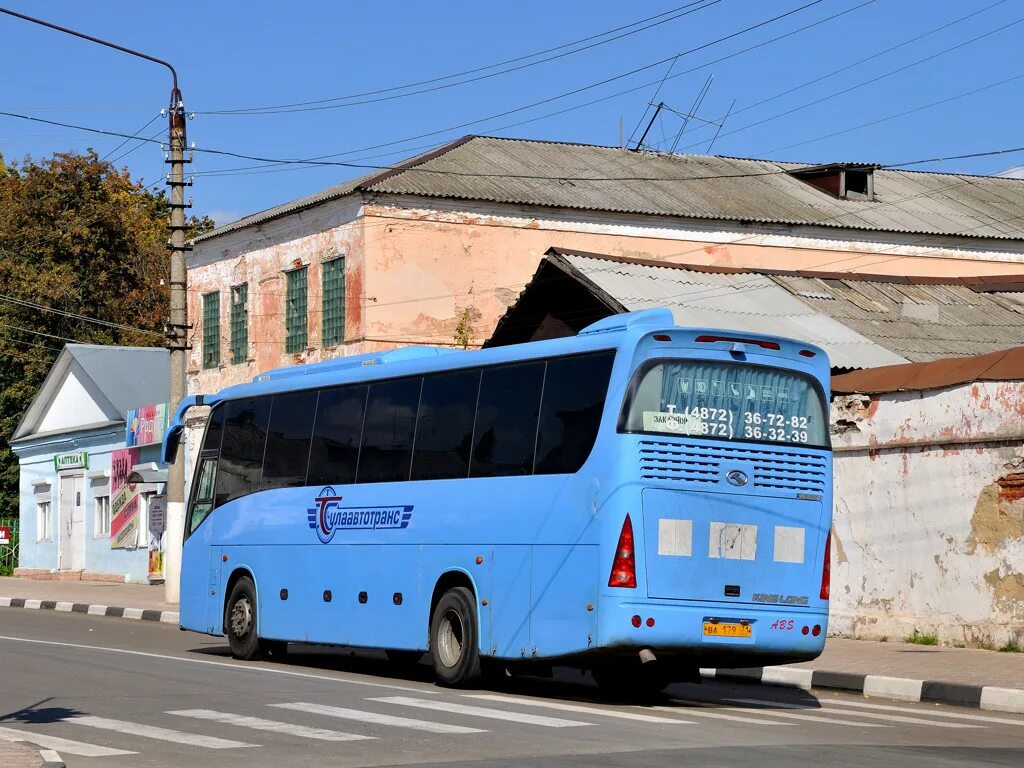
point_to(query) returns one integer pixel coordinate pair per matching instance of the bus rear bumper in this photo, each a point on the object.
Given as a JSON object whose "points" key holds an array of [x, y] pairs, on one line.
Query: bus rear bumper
{"points": [[713, 635]]}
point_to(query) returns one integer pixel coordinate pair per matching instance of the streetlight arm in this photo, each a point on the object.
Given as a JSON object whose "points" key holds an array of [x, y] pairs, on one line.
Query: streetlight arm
{"points": [[95, 40]]}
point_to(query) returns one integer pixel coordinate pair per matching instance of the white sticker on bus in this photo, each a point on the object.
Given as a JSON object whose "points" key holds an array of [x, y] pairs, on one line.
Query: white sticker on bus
{"points": [[731, 541], [789, 544], [675, 537]]}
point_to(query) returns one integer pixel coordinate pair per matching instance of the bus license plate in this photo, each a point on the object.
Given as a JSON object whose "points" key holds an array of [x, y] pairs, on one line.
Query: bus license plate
{"points": [[726, 630]]}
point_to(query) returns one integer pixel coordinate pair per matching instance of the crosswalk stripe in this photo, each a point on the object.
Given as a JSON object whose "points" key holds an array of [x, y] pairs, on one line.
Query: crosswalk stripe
{"points": [[926, 713], [874, 715], [696, 712], [67, 746], [376, 718], [153, 732], [579, 708], [795, 716], [493, 714], [259, 724]]}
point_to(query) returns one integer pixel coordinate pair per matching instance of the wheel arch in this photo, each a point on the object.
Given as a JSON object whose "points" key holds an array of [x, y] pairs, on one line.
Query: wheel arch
{"points": [[236, 574], [455, 577]]}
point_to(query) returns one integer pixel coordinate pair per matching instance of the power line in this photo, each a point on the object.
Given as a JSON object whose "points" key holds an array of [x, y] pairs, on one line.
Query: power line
{"points": [[75, 316], [133, 136], [557, 113], [863, 83], [323, 104]]}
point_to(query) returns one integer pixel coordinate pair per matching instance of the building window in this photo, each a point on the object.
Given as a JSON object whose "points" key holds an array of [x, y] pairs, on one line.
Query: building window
{"points": [[295, 311], [240, 323], [211, 329], [334, 301], [102, 524], [43, 522]]}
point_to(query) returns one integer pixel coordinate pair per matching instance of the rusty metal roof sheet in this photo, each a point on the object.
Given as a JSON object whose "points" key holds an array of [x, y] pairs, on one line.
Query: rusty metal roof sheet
{"points": [[1005, 365], [862, 321], [577, 176]]}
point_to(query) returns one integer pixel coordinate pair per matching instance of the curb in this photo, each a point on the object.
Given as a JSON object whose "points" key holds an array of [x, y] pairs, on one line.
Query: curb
{"points": [[49, 757], [138, 614], [901, 688]]}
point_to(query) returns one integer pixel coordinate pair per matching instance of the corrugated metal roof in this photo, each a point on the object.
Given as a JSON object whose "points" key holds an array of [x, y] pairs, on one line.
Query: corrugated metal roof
{"points": [[685, 186], [861, 322], [1007, 365]]}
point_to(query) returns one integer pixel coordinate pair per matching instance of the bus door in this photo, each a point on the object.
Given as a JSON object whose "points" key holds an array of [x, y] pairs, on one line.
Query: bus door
{"points": [[200, 565]]}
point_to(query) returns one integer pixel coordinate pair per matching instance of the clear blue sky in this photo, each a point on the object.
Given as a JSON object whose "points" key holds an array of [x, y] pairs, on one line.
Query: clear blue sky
{"points": [[234, 54]]}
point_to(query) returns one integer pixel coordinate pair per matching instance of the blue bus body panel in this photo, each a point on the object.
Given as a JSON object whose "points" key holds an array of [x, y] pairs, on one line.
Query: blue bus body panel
{"points": [[538, 549]]}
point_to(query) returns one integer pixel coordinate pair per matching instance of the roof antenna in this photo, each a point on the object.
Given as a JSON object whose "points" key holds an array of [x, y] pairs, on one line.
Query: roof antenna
{"points": [[693, 111], [715, 137], [647, 130]]}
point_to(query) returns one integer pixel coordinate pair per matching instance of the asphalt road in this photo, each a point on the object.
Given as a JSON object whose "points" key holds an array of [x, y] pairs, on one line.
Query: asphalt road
{"points": [[116, 693]]}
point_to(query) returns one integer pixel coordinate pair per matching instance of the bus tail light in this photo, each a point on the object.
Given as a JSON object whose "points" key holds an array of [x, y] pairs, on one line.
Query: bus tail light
{"points": [[762, 343], [624, 566], [826, 568]]}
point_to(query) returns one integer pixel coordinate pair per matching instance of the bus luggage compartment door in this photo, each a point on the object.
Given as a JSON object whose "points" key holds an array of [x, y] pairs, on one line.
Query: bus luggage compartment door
{"points": [[732, 547]]}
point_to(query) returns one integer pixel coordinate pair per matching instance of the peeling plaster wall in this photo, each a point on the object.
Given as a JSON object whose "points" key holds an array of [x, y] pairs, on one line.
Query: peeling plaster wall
{"points": [[929, 518]]}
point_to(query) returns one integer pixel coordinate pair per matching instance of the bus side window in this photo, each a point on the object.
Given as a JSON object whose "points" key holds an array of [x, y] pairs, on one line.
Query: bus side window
{"points": [[291, 429], [388, 431], [241, 453], [574, 395], [444, 426], [339, 424], [506, 420], [202, 505]]}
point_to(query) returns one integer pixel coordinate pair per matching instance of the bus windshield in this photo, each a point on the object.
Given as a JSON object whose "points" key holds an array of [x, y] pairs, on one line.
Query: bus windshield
{"points": [[726, 401]]}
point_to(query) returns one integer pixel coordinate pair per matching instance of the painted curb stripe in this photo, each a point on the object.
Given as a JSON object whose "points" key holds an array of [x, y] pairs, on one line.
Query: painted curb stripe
{"points": [[139, 614], [966, 695]]}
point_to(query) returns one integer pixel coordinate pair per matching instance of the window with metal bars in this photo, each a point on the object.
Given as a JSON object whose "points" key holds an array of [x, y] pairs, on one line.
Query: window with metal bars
{"points": [[295, 320], [240, 323], [211, 329], [334, 301]]}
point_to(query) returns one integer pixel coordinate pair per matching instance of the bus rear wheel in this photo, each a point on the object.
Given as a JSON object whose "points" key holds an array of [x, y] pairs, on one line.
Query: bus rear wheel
{"points": [[240, 620], [454, 639]]}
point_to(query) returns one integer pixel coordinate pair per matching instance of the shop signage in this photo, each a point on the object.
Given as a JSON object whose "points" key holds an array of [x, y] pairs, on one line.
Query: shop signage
{"points": [[157, 523], [124, 500], [5, 536], [76, 460], [145, 425]]}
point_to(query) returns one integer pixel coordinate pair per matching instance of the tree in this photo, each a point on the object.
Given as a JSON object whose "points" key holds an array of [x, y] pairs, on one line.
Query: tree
{"points": [[79, 236]]}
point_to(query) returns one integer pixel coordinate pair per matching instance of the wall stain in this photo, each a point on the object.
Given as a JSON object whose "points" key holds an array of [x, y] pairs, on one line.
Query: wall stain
{"points": [[998, 516], [1008, 588]]}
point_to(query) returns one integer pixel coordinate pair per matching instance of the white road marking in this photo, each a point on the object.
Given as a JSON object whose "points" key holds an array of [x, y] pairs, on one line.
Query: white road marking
{"points": [[926, 713], [155, 732], [49, 755], [796, 716], [698, 712], [494, 714], [875, 715], [259, 724], [579, 708], [376, 718], [225, 664], [62, 745]]}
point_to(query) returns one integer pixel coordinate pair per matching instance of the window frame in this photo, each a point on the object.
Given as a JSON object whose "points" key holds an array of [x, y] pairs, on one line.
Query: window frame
{"points": [[239, 323], [296, 321], [211, 331], [44, 517], [645, 365], [101, 515], [332, 301]]}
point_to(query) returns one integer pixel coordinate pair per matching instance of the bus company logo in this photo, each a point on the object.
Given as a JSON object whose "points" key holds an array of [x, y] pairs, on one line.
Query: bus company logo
{"points": [[326, 516]]}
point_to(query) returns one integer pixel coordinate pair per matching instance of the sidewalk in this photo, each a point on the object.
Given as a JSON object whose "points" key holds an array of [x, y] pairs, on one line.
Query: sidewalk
{"points": [[20, 754], [964, 676]]}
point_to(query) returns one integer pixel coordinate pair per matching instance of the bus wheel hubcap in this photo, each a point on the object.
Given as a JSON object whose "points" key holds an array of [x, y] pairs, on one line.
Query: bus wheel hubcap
{"points": [[450, 638], [241, 618]]}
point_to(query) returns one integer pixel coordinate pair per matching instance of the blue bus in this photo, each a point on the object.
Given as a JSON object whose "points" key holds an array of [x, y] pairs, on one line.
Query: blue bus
{"points": [[639, 500]]}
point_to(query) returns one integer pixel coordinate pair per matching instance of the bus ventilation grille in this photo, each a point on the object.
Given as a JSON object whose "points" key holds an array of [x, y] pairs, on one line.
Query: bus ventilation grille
{"points": [[702, 465]]}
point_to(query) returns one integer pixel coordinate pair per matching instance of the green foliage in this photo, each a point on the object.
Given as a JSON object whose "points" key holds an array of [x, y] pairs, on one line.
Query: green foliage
{"points": [[918, 639], [79, 236], [1011, 646]]}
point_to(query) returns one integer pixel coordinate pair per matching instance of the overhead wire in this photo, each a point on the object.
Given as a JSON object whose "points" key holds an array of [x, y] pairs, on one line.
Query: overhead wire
{"points": [[325, 104]]}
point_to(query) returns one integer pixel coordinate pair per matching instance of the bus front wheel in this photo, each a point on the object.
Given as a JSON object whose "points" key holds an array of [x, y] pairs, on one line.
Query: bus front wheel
{"points": [[240, 620], [454, 643]]}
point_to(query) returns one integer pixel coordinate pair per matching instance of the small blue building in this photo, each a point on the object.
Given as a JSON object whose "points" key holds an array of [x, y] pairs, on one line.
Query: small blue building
{"points": [[66, 443]]}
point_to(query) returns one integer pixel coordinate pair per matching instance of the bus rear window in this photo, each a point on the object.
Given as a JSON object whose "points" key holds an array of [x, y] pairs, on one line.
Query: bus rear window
{"points": [[726, 401]]}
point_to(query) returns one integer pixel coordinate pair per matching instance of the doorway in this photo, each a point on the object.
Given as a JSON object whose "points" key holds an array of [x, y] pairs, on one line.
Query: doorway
{"points": [[71, 555]]}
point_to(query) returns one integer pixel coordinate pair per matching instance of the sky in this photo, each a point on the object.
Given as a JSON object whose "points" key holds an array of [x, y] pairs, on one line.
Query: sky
{"points": [[884, 81]]}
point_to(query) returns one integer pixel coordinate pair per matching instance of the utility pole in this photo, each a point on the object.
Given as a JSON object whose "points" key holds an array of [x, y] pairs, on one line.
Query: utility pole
{"points": [[177, 326]]}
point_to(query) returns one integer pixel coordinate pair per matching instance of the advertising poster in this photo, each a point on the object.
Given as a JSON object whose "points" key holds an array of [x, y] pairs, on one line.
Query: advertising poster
{"points": [[157, 523], [124, 500], [145, 425]]}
